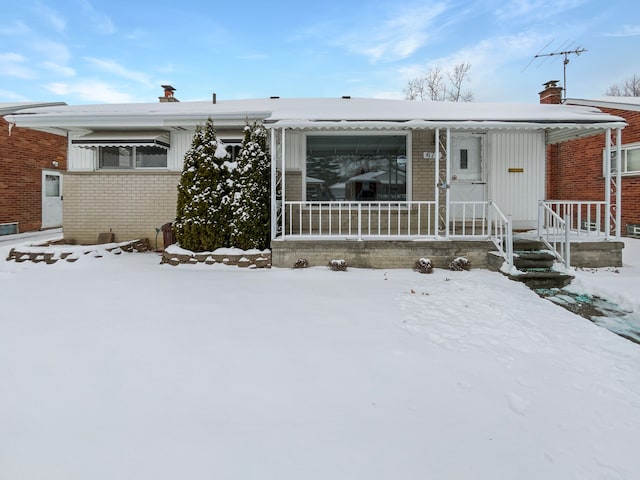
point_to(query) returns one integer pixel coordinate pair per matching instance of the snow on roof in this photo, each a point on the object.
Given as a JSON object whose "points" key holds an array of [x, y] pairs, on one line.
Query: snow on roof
{"points": [[622, 103], [11, 107], [301, 111]]}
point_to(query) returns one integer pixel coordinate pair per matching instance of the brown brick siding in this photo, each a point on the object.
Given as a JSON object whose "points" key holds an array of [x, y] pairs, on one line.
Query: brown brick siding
{"points": [[23, 156], [574, 169], [423, 172]]}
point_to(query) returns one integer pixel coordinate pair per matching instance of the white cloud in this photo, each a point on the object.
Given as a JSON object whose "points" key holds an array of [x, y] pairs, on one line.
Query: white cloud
{"points": [[58, 69], [90, 91], [12, 96], [18, 28], [396, 38], [253, 56], [535, 9], [58, 22], [53, 51], [101, 22], [115, 68], [625, 31], [14, 65]]}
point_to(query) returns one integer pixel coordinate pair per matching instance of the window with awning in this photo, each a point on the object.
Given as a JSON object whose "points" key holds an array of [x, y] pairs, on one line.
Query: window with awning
{"points": [[127, 150], [123, 139]]}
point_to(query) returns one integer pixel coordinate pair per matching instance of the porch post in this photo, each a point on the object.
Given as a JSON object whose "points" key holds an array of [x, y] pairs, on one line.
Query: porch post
{"points": [[274, 207], [618, 182], [447, 191], [283, 144], [437, 183], [607, 182]]}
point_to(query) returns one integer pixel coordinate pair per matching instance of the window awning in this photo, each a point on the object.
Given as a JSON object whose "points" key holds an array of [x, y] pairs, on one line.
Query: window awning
{"points": [[123, 139]]}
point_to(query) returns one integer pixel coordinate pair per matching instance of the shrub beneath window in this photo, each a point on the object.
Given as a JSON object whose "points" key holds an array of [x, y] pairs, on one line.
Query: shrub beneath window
{"points": [[459, 264], [423, 266], [338, 265], [301, 263]]}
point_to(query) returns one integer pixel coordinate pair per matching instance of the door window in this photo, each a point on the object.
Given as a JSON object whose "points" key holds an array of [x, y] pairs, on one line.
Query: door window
{"points": [[52, 186]]}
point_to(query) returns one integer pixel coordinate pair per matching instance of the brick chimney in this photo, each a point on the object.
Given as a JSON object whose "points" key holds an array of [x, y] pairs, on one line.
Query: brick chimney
{"points": [[552, 93], [168, 94]]}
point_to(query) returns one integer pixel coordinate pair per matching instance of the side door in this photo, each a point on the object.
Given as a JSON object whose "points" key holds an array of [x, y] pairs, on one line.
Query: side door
{"points": [[51, 199]]}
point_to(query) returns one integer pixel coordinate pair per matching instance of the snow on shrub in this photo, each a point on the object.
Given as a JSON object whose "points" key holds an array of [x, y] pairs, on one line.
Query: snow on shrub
{"points": [[459, 264], [338, 265], [423, 266], [301, 263]]}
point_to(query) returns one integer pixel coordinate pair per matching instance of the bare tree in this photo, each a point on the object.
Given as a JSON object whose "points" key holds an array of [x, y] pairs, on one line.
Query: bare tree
{"points": [[628, 88], [432, 86]]}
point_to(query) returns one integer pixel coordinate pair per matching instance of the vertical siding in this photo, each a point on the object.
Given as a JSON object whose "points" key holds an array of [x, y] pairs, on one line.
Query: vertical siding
{"points": [[80, 159], [517, 194], [180, 143], [296, 151]]}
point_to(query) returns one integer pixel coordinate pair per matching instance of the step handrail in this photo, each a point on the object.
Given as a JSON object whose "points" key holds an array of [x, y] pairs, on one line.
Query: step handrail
{"points": [[553, 231], [501, 233]]}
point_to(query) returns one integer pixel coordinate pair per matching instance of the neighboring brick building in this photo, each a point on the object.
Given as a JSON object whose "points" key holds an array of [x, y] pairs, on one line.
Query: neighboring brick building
{"points": [[575, 168], [31, 163]]}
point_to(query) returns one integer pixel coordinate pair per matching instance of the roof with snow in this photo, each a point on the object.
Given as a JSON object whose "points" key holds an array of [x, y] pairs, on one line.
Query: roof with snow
{"points": [[320, 113], [621, 103], [7, 108]]}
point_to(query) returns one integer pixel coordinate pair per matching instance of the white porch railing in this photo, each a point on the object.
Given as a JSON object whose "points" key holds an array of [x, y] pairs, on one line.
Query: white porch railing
{"points": [[358, 220], [585, 218], [397, 220]]}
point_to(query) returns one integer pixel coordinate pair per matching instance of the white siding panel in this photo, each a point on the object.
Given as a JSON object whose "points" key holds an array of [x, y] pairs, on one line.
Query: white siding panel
{"points": [[295, 154], [180, 143], [517, 170], [80, 159]]}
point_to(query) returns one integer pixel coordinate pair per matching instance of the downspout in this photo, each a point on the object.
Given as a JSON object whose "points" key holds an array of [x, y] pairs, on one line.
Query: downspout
{"points": [[274, 195], [448, 180], [437, 182], [618, 182], [283, 183], [607, 183]]}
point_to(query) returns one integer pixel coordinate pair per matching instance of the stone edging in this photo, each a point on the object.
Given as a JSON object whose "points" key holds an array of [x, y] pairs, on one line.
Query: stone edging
{"points": [[244, 260], [51, 254]]}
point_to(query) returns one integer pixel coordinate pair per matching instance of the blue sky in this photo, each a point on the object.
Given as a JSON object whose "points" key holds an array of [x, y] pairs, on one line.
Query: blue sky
{"points": [[98, 51]]}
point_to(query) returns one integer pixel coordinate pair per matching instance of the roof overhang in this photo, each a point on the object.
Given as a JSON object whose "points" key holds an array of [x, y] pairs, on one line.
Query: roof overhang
{"points": [[123, 139], [556, 132]]}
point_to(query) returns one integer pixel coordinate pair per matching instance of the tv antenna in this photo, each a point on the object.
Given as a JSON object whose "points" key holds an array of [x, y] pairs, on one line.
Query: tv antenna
{"points": [[576, 51]]}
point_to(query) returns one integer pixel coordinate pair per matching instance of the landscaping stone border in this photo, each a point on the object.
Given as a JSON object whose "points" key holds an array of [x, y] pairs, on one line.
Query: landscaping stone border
{"points": [[51, 254], [244, 260]]}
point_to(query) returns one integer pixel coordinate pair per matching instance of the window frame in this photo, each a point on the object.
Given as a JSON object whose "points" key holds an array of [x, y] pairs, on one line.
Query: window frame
{"points": [[133, 164], [339, 133], [624, 170]]}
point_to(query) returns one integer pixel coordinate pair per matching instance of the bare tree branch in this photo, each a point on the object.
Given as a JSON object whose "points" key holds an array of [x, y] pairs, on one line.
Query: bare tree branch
{"points": [[628, 88], [432, 85]]}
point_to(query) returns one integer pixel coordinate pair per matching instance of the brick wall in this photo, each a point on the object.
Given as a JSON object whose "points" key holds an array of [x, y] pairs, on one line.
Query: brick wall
{"points": [[574, 169], [23, 156], [423, 173], [131, 205]]}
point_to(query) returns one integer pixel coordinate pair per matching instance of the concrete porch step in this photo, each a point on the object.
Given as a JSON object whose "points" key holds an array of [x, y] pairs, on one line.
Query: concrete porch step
{"points": [[542, 278], [534, 269]]}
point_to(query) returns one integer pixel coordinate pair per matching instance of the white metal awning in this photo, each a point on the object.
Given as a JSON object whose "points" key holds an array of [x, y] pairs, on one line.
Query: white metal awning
{"points": [[556, 131], [123, 139]]}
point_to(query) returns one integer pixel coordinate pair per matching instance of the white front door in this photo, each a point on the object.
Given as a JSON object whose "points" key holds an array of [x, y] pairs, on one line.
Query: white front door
{"points": [[468, 183], [51, 199]]}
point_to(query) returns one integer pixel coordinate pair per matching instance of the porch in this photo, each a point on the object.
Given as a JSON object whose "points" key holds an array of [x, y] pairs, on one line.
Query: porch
{"points": [[396, 234]]}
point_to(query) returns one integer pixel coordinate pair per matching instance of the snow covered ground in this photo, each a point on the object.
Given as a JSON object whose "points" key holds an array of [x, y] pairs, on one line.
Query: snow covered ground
{"points": [[121, 368]]}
